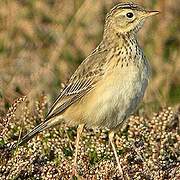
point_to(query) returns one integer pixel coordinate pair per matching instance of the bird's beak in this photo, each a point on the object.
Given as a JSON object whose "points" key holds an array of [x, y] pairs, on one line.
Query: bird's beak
{"points": [[151, 13]]}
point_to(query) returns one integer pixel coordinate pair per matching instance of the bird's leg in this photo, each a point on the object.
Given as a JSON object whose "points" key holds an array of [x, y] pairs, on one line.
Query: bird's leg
{"points": [[79, 131], [111, 139]]}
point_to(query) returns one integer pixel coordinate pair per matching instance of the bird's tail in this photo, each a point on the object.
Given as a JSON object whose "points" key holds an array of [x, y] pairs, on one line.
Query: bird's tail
{"points": [[41, 127]]}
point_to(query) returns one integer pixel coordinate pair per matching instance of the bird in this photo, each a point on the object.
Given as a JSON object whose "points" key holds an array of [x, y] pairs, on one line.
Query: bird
{"points": [[109, 84]]}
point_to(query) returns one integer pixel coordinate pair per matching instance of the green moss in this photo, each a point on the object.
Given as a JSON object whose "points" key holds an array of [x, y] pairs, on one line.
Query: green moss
{"points": [[93, 157], [67, 151]]}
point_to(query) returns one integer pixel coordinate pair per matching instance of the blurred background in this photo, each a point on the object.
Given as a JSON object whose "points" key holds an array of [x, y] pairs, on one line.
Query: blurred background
{"points": [[42, 43]]}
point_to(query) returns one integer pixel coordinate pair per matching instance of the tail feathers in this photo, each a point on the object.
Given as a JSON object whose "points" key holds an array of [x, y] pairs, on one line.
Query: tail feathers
{"points": [[41, 127], [32, 133]]}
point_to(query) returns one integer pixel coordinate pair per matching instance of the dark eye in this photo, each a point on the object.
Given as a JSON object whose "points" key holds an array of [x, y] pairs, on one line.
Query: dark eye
{"points": [[129, 15]]}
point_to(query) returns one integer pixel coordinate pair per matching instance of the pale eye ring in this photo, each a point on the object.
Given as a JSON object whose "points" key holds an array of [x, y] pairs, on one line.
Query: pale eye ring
{"points": [[129, 14]]}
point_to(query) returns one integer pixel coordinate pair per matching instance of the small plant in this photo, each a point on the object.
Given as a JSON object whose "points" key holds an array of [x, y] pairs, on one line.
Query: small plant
{"points": [[148, 148]]}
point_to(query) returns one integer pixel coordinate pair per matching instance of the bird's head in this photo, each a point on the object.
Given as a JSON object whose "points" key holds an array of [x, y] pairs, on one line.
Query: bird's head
{"points": [[127, 17]]}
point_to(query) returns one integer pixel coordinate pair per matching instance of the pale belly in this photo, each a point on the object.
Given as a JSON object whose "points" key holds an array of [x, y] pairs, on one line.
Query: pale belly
{"points": [[118, 96], [112, 101]]}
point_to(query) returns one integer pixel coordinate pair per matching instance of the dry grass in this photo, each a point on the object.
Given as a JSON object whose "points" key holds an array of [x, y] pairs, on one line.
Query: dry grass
{"points": [[41, 44]]}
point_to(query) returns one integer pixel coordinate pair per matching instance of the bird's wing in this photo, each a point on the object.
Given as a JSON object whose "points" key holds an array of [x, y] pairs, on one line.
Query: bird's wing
{"points": [[83, 80]]}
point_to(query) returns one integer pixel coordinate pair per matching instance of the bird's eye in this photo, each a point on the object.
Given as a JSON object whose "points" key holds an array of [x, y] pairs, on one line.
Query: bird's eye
{"points": [[129, 15]]}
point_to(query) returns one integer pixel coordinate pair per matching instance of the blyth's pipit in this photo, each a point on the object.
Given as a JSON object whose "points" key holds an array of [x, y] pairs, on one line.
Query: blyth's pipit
{"points": [[109, 84]]}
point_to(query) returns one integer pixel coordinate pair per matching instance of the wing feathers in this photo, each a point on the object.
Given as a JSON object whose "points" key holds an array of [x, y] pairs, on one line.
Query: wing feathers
{"points": [[65, 105], [71, 95], [83, 81]]}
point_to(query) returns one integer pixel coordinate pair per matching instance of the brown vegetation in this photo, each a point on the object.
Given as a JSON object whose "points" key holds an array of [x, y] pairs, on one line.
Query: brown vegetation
{"points": [[148, 148], [41, 44]]}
